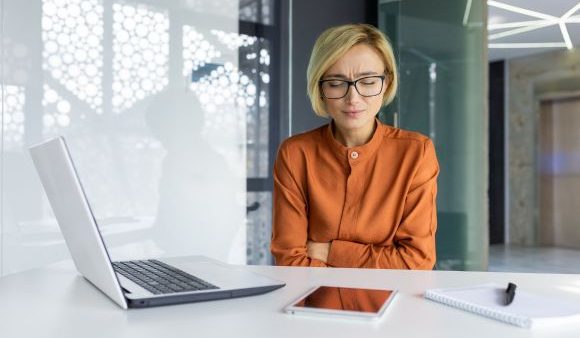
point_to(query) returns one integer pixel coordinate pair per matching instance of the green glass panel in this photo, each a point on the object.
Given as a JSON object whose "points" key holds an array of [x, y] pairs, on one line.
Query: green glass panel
{"points": [[441, 51]]}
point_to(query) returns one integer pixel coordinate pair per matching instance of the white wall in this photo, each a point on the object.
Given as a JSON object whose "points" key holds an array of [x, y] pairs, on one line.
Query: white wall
{"points": [[162, 159]]}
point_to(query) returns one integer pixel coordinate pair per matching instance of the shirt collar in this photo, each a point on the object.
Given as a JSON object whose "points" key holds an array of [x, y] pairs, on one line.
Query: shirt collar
{"points": [[363, 152]]}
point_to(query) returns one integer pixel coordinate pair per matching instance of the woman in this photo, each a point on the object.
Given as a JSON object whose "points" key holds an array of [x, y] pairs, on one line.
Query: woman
{"points": [[354, 193]]}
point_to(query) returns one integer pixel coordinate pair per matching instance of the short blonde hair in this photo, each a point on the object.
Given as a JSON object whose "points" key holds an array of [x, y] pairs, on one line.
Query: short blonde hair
{"points": [[333, 43]]}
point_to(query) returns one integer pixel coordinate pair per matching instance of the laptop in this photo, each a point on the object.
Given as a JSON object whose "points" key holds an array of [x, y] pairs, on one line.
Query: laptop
{"points": [[139, 283]]}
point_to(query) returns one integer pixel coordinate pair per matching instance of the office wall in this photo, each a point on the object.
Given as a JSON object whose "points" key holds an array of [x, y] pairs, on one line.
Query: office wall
{"points": [[530, 78], [150, 98]]}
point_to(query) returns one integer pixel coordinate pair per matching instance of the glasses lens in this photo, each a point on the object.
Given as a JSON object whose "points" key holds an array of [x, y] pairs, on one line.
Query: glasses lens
{"points": [[369, 86], [334, 89]]}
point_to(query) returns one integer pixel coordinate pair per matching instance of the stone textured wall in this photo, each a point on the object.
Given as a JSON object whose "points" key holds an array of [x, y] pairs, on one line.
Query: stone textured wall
{"points": [[530, 78]]}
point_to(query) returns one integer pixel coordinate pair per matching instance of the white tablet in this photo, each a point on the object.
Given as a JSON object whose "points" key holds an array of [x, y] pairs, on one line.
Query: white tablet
{"points": [[342, 301]]}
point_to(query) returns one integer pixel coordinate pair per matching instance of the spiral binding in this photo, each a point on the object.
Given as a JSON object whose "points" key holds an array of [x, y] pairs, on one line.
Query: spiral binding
{"points": [[502, 316]]}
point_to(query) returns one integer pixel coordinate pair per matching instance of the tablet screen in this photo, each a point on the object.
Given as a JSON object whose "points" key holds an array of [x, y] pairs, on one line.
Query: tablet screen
{"points": [[364, 301]]}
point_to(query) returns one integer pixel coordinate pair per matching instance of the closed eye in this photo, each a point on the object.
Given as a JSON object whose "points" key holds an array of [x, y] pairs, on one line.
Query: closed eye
{"points": [[368, 82], [335, 83]]}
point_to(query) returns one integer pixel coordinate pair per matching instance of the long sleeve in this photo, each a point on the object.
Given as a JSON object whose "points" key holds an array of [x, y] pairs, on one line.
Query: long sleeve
{"points": [[374, 203], [413, 245], [290, 216]]}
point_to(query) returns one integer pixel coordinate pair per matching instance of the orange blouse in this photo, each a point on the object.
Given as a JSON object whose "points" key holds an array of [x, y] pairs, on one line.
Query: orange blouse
{"points": [[374, 203]]}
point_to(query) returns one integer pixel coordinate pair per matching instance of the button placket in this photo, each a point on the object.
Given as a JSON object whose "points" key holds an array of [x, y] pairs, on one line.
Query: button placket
{"points": [[347, 224]]}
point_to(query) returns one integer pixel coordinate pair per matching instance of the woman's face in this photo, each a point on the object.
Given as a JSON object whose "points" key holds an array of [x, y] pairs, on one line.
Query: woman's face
{"points": [[355, 112]]}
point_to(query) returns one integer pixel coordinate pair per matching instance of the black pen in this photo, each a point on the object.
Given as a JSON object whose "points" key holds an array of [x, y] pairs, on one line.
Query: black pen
{"points": [[510, 293]]}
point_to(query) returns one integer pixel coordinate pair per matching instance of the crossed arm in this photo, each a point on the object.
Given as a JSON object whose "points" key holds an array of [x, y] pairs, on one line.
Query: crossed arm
{"points": [[413, 246]]}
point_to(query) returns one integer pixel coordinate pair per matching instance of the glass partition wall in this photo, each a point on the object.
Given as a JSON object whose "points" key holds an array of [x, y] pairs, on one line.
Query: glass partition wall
{"points": [[171, 111], [441, 52], [158, 101]]}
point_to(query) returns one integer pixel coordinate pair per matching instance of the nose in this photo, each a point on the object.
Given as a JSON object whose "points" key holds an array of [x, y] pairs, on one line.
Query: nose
{"points": [[352, 94]]}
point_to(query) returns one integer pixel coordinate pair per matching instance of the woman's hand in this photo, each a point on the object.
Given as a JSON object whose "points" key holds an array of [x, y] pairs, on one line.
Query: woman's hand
{"points": [[318, 250]]}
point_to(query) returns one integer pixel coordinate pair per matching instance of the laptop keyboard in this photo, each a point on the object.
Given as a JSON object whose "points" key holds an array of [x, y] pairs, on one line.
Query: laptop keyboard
{"points": [[160, 278]]}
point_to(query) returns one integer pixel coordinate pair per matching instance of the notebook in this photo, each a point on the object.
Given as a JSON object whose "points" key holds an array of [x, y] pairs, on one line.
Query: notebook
{"points": [[527, 309]]}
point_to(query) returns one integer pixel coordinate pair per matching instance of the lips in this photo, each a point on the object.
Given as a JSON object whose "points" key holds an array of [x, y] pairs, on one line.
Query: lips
{"points": [[353, 113]]}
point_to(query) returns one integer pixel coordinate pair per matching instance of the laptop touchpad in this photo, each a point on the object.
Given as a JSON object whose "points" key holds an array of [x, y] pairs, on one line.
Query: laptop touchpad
{"points": [[224, 277]]}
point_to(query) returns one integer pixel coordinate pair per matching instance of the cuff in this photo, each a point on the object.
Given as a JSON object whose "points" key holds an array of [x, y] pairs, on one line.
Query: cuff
{"points": [[343, 254], [317, 263]]}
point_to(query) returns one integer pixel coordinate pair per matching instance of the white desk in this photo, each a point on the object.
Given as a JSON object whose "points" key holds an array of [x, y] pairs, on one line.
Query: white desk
{"points": [[56, 302]]}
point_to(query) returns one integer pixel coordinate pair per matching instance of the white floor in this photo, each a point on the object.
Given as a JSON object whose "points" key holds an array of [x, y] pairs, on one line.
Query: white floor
{"points": [[533, 259]]}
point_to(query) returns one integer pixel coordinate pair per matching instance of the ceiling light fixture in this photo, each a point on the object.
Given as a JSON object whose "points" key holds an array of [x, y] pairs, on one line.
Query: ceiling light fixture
{"points": [[528, 45], [566, 36], [526, 26], [563, 25], [520, 30], [570, 12], [497, 26], [520, 10], [467, 11]]}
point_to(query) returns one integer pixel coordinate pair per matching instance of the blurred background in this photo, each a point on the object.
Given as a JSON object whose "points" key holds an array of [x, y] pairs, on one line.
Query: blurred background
{"points": [[174, 111]]}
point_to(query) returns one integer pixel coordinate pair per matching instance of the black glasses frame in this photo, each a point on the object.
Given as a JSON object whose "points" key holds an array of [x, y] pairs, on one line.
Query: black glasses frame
{"points": [[351, 83]]}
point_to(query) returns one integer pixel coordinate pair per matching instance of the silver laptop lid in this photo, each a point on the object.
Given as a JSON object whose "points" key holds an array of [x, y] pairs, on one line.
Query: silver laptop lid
{"points": [[75, 218]]}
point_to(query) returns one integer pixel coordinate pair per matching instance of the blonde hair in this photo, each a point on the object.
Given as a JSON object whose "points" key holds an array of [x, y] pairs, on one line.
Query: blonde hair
{"points": [[333, 43]]}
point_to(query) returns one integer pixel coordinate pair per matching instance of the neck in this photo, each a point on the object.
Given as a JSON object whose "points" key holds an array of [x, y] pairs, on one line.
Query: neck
{"points": [[354, 137]]}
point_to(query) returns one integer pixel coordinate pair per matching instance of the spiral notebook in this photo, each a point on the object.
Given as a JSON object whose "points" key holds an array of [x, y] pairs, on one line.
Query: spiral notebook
{"points": [[527, 310]]}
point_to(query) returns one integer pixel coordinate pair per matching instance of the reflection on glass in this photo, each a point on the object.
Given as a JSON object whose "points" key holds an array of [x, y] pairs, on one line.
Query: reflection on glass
{"points": [[234, 40], [57, 113], [225, 9], [259, 11], [194, 186], [255, 61], [12, 102], [72, 36], [141, 53], [197, 51], [259, 222], [350, 299], [94, 71]]}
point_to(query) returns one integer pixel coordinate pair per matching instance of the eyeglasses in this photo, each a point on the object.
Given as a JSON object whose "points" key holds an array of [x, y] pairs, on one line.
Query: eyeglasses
{"points": [[366, 86]]}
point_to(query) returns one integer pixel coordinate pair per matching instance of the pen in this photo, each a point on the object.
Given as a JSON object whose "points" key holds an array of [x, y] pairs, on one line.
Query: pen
{"points": [[510, 293]]}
